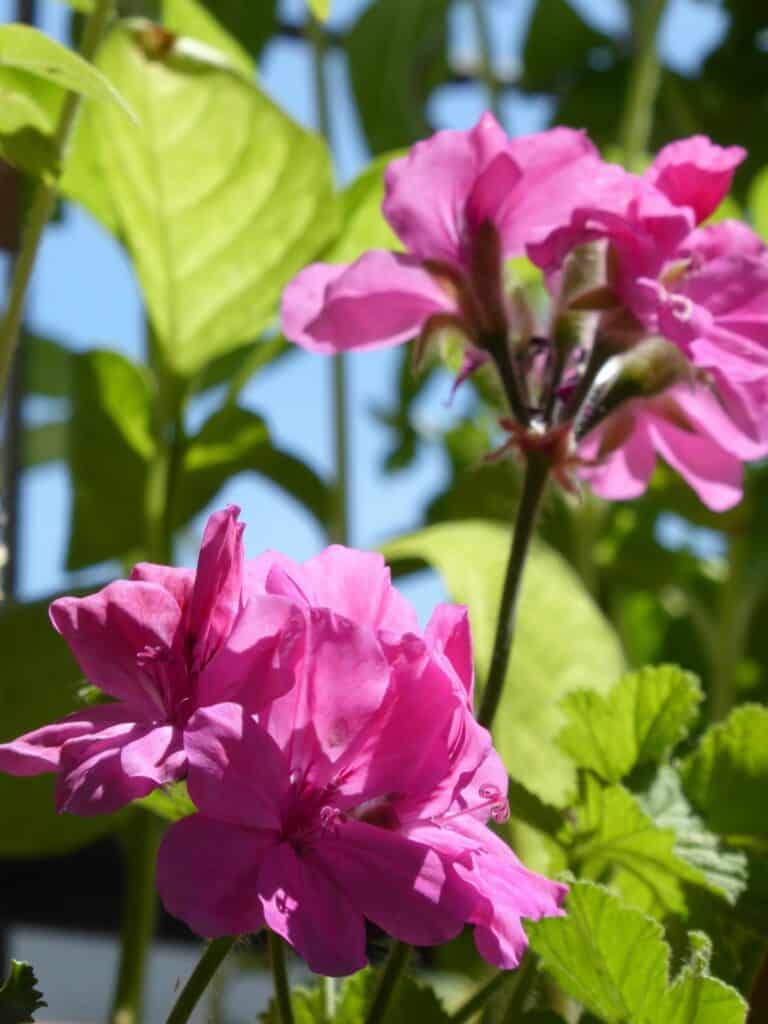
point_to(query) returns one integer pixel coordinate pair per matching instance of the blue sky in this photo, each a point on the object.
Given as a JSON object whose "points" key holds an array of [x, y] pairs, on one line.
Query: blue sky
{"points": [[84, 293]]}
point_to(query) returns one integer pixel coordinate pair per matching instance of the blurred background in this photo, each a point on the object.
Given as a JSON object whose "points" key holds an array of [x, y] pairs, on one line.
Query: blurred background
{"points": [[677, 582]]}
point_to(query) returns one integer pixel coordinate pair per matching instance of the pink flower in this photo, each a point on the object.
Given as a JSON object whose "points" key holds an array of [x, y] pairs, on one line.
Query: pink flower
{"points": [[362, 793], [161, 644], [461, 202]]}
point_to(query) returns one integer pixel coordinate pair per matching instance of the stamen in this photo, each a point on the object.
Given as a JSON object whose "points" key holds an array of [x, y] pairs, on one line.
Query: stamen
{"points": [[492, 798], [330, 819]]}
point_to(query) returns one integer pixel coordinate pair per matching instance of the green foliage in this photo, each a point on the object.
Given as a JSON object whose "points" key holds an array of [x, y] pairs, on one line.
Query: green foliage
{"points": [[362, 225], [639, 721], [614, 960], [320, 8], [171, 802], [562, 641], [239, 30], [726, 777], [39, 685], [19, 995], [406, 43], [25, 126], [212, 249]]}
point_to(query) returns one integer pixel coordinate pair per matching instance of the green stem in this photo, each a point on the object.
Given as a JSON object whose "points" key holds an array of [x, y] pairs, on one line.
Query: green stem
{"points": [[644, 79], [477, 1001], [207, 965], [43, 203], [483, 30], [329, 997], [388, 983], [525, 979], [534, 483], [280, 978], [140, 842]]}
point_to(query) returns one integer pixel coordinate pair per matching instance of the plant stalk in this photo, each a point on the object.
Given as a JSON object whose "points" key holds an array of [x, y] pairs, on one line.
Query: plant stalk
{"points": [[198, 982], [644, 81], [280, 978], [140, 842], [534, 483], [43, 203], [393, 969]]}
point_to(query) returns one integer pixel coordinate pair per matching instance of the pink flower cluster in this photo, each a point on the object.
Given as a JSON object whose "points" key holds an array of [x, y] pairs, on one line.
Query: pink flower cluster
{"points": [[330, 750], [463, 203]]}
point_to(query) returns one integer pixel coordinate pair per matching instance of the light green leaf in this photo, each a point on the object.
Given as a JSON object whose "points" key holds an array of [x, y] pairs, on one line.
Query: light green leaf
{"points": [[308, 1008], [615, 835], [758, 202], [362, 223], [219, 196], [24, 47], [237, 29], [640, 720], [111, 446], [665, 803], [36, 691], [320, 8], [562, 641], [25, 132], [614, 960], [19, 995], [726, 777], [171, 802], [79, 5]]}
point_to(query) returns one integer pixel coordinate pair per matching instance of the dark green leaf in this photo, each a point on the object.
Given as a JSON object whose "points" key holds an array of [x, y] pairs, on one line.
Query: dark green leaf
{"points": [[47, 367], [642, 718], [726, 777], [37, 690], [557, 46], [405, 41], [19, 996], [47, 442]]}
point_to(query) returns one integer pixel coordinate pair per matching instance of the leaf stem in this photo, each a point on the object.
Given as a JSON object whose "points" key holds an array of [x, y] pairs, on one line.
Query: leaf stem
{"points": [[140, 842], [491, 82], [644, 80], [280, 978], [212, 958], [393, 969], [43, 202], [534, 483]]}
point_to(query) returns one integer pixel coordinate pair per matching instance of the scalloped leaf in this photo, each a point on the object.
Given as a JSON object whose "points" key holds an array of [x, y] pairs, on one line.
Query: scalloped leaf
{"points": [[19, 995]]}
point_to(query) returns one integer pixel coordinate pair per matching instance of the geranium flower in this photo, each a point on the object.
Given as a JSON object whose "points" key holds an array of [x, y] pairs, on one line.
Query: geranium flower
{"points": [[362, 793], [161, 644]]}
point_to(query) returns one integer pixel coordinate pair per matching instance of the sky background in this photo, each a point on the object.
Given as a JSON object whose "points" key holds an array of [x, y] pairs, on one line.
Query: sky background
{"points": [[84, 293]]}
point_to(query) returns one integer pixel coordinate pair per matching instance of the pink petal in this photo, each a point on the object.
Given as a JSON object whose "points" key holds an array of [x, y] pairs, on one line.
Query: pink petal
{"points": [[312, 913], [491, 190], [216, 596], [178, 582], [258, 660], [448, 632], [380, 300], [714, 475], [427, 190], [236, 771], [207, 875], [625, 472], [157, 756], [728, 415], [694, 172], [398, 884], [108, 630], [727, 238]]}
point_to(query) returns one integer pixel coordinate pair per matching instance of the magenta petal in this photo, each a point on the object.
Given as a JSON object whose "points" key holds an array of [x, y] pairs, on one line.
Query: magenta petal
{"points": [[178, 582], [449, 633], [215, 600], [623, 473], [107, 630], [358, 585], [380, 300], [207, 875], [398, 884], [491, 190], [302, 904], [157, 756], [714, 474], [694, 172], [236, 771]]}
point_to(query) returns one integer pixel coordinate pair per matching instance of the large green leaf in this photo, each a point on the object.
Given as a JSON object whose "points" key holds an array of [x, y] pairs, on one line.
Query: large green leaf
{"points": [[726, 777], [40, 683], [642, 718], [19, 995], [111, 446], [614, 960], [28, 49], [403, 42], [562, 641], [362, 222], [219, 196], [238, 29]]}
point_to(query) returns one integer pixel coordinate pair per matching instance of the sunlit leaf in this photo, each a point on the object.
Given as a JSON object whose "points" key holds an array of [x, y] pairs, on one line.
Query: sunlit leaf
{"points": [[237, 29], [171, 802], [362, 224], [562, 642], [19, 995]]}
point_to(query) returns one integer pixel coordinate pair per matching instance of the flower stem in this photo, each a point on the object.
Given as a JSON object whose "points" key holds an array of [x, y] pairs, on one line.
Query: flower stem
{"points": [[207, 965], [390, 977], [43, 203], [534, 483], [280, 978], [140, 842], [644, 80], [477, 1001], [483, 31]]}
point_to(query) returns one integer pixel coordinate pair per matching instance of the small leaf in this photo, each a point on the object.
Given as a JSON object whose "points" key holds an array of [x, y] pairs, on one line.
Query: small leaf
{"points": [[320, 8], [562, 642], [640, 720], [726, 777], [614, 960], [19, 996], [171, 802], [362, 224], [24, 47]]}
